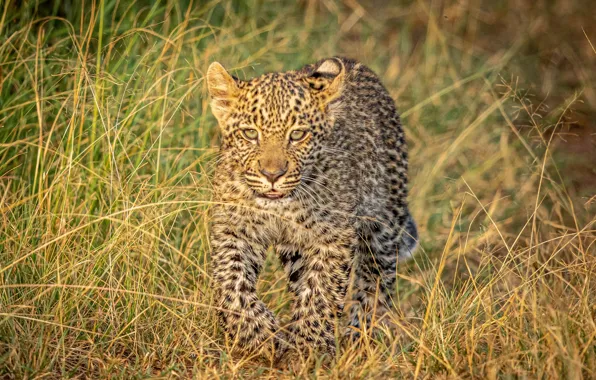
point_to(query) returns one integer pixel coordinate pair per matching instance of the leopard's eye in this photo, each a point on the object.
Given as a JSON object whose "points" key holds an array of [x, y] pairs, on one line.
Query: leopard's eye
{"points": [[250, 134], [298, 135]]}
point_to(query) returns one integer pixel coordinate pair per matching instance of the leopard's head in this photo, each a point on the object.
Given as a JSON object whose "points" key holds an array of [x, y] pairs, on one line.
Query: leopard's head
{"points": [[272, 125]]}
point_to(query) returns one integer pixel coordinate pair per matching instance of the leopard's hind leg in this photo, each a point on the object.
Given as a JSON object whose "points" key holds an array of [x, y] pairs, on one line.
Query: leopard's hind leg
{"points": [[381, 246]]}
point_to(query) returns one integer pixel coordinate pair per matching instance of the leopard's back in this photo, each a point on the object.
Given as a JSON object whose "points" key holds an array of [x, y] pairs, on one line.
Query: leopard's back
{"points": [[368, 146]]}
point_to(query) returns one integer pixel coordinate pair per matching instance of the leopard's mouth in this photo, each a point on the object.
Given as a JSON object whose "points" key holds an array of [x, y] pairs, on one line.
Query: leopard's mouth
{"points": [[272, 195]]}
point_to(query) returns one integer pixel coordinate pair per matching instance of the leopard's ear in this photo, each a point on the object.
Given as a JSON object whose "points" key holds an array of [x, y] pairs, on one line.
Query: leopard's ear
{"points": [[223, 90], [326, 79]]}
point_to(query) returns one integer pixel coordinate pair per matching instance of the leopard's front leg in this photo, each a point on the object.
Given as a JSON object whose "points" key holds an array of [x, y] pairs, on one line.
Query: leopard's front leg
{"points": [[318, 277], [237, 260]]}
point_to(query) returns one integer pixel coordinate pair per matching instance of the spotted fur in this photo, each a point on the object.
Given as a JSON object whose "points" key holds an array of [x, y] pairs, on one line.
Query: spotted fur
{"points": [[332, 201]]}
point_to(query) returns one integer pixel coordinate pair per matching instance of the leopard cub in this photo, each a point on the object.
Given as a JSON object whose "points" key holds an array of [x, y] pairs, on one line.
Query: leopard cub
{"points": [[314, 163]]}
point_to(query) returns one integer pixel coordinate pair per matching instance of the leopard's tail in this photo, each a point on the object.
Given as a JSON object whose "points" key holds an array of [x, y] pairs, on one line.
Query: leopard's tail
{"points": [[409, 239]]}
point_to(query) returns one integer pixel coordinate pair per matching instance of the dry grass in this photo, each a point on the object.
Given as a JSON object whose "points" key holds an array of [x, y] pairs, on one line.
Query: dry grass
{"points": [[106, 145]]}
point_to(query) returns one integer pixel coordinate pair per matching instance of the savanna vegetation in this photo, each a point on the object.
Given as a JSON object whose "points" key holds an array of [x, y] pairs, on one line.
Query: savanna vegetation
{"points": [[107, 143]]}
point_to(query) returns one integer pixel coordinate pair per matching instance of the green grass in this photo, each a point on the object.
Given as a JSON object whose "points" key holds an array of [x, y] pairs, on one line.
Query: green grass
{"points": [[107, 144]]}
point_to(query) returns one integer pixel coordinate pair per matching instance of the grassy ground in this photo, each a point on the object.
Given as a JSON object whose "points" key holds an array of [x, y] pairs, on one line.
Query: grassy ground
{"points": [[106, 145]]}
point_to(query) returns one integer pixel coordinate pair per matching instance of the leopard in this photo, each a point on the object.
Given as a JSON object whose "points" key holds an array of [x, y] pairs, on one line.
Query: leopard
{"points": [[312, 163]]}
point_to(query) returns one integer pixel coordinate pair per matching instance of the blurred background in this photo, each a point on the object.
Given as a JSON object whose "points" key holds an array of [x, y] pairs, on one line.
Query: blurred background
{"points": [[107, 145]]}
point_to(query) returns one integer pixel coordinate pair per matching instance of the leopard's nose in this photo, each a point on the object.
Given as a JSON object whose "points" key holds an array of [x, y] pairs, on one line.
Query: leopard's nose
{"points": [[273, 174]]}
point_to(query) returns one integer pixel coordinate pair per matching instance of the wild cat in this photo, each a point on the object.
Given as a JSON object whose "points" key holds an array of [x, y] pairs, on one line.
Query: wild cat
{"points": [[314, 163]]}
